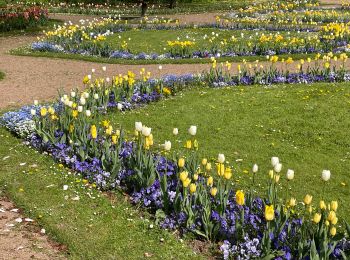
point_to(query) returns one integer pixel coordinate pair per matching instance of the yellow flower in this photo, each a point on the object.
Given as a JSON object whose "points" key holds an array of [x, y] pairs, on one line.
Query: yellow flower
{"points": [[334, 205], [75, 113], [186, 182], [183, 176], [269, 212], [322, 204], [334, 221], [188, 144], [208, 167], [228, 173], [204, 161], [71, 128], [213, 191], [331, 216], [271, 174], [181, 162], [240, 197], [307, 199], [210, 181], [220, 169], [292, 202], [51, 110], [86, 80], [109, 130], [193, 188], [195, 176], [43, 111], [317, 218], [93, 132], [333, 231], [114, 139], [276, 178]]}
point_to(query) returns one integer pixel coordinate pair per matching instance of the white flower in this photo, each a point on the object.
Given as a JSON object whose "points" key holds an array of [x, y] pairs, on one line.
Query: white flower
{"points": [[192, 130], [82, 101], [290, 174], [108, 80], [160, 67], [138, 126], [278, 167], [146, 131], [80, 109], [88, 113], [95, 96], [33, 112], [221, 158], [326, 175], [93, 70], [104, 68], [120, 106], [72, 94], [36, 102], [175, 131], [167, 145], [70, 103], [86, 95], [89, 76], [255, 168], [65, 187], [274, 161]]}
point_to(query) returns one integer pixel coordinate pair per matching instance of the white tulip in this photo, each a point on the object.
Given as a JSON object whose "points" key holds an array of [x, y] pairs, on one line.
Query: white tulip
{"points": [[80, 109], [89, 76], [104, 68], [88, 113], [274, 161], [36, 102], [175, 131], [192, 130], [65, 96], [82, 101], [62, 99], [167, 145], [278, 167], [93, 70], [33, 112], [221, 158], [138, 126], [70, 103], [255, 168], [146, 131], [120, 106], [326, 175], [96, 96], [290, 174], [86, 95], [108, 80], [73, 94]]}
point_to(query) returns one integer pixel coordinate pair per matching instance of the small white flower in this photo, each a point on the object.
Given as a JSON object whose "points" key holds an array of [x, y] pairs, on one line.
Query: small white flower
{"points": [[70, 103], [108, 80], [33, 112], [95, 96], [120, 106], [73, 94], [274, 161], [82, 101], [104, 68], [65, 187], [88, 113], [255, 168], [192, 130], [93, 70], [160, 67], [86, 95], [278, 167], [167, 145], [36, 102], [43, 231], [175, 131], [326, 175], [138, 126], [290, 174], [89, 76], [146, 131], [80, 109], [221, 158]]}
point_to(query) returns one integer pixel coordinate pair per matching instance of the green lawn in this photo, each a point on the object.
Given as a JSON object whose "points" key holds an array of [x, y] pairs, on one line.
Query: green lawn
{"points": [[93, 227], [305, 125]]}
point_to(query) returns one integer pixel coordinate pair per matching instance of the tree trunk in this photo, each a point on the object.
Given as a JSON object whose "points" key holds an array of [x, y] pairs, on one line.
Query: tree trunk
{"points": [[172, 4]]}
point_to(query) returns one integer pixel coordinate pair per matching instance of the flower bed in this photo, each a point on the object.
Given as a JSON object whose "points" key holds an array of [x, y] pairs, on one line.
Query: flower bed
{"points": [[184, 191], [20, 17]]}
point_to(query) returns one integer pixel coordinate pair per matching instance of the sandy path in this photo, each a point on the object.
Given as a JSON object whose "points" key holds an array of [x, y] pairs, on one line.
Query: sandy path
{"points": [[18, 238]]}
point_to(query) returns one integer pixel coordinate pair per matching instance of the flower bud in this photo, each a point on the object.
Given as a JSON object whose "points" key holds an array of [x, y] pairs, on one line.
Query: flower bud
{"points": [[290, 174], [326, 175], [175, 131], [221, 158], [181, 162], [192, 130], [255, 168]]}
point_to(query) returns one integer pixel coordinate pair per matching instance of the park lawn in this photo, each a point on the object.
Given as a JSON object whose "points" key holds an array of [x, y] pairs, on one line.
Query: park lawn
{"points": [[305, 125], [95, 226], [155, 41]]}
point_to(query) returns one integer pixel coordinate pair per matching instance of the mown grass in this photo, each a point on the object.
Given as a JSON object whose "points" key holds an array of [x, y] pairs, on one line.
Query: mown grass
{"points": [[305, 125], [26, 51], [93, 227]]}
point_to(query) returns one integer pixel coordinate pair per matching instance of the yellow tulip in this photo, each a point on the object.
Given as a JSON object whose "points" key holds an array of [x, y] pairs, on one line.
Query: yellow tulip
{"points": [[188, 144], [213, 191], [195, 177], [93, 132], [204, 161], [292, 202], [220, 169], [186, 182], [43, 111], [193, 188], [334, 221], [208, 167], [317, 218], [75, 113], [333, 231], [114, 139], [322, 205], [269, 212], [331, 216], [210, 181], [181, 162], [240, 197], [228, 173], [307, 199], [334, 205], [183, 176]]}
